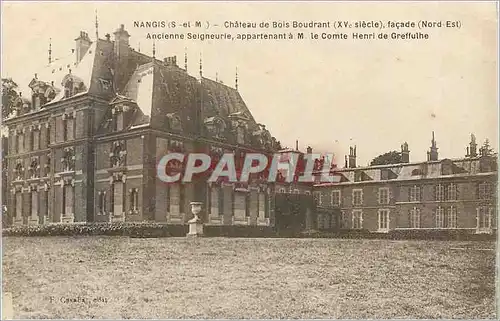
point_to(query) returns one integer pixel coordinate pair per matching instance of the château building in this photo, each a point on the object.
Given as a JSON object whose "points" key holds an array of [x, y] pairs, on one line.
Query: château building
{"points": [[84, 143]]}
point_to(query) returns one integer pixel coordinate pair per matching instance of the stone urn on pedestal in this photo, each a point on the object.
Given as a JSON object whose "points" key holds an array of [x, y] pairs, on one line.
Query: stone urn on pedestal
{"points": [[195, 224]]}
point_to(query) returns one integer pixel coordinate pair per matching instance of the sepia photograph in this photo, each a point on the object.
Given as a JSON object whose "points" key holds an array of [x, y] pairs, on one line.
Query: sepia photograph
{"points": [[249, 160]]}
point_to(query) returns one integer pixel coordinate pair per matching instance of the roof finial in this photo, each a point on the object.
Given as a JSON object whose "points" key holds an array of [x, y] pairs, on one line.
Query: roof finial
{"points": [[154, 49], [217, 77], [139, 47], [50, 50], [201, 68], [96, 26], [185, 59], [236, 79]]}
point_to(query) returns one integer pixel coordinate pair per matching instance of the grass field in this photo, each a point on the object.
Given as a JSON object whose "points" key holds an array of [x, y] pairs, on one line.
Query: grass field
{"points": [[121, 277]]}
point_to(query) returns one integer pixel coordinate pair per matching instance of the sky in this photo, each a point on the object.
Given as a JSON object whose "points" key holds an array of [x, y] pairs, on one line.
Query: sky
{"points": [[326, 94]]}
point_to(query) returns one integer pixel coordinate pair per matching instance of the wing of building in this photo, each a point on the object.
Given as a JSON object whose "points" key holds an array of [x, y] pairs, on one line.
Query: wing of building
{"points": [[85, 140], [438, 194]]}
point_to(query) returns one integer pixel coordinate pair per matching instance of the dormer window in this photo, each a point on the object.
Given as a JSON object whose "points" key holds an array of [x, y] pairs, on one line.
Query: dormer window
{"points": [[174, 121], [72, 85], [68, 88]]}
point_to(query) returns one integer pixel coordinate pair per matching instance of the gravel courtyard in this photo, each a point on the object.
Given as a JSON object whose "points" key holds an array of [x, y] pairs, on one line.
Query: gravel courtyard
{"points": [[120, 277]]}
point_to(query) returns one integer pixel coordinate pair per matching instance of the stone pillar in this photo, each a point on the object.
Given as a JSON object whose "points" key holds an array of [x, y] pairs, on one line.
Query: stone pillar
{"points": [[215, 191]]}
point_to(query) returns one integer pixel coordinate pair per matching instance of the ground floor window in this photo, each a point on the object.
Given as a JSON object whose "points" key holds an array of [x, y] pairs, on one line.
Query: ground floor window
{"points": [[343, 221], [452, 217], [484, 217], [101, 202], [415, 218], [383, 220], [440, 217], [357, 219], [134, 199]]}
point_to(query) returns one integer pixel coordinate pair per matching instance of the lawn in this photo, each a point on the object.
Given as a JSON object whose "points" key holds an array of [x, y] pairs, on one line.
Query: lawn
{"points": [[120, 277]]}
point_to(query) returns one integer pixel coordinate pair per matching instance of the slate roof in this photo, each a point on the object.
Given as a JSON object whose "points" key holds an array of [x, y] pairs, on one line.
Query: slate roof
{"points": [[441, 169]]}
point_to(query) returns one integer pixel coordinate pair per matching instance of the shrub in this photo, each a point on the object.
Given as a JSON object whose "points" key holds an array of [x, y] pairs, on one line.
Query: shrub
{"points": [[139, 229]]}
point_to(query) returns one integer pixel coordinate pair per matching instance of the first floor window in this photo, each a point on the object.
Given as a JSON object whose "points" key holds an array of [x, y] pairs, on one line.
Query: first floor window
{"points": [[415, 193], [485, 191], [451, 192], [415, 218], [383, 195], [439, 193], [357, 197], [336, 198], [318, 198], [357, 219]]}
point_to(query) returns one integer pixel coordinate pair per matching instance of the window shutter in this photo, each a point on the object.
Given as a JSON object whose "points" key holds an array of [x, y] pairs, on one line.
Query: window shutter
{"points": [[389, 195]]}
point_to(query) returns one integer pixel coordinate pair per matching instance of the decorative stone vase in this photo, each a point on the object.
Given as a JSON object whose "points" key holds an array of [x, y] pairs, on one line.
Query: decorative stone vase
{"points": [[195, 224]]}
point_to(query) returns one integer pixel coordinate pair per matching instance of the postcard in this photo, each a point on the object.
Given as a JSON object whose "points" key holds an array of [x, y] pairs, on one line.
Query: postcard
{"points": [[249, 160]]}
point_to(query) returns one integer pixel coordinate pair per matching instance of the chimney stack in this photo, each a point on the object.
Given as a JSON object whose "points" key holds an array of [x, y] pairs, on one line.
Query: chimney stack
{"points": [[82, 44], [472, 149], [352, 157], [170, 61], [121, 52], [432, 154], [405, 153]]}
